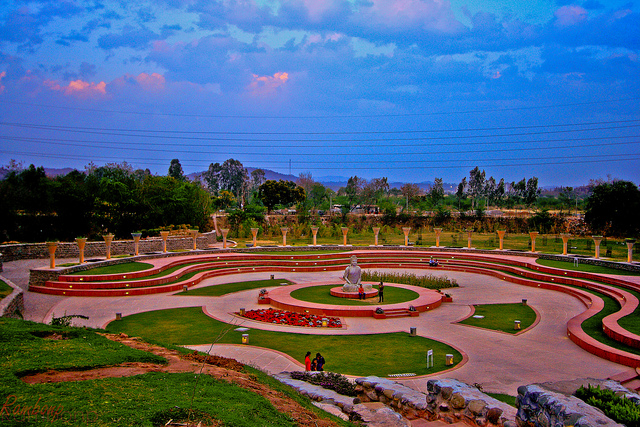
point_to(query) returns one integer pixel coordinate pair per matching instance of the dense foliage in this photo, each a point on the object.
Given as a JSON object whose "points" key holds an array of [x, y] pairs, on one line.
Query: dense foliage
{"points": [[329, 380], [109, 199], [428, 281], [613, 209], [618, 408]]}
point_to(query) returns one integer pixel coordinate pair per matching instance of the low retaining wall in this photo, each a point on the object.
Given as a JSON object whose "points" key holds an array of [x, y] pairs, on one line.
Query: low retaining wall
{"points": [[14, 252], [539, 407], [13, 304]]}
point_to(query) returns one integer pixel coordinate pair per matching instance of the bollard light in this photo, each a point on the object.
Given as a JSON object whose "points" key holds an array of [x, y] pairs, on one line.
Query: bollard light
{"points": [[516, 325], [245, 338], [448, 359], [272, 276], [325, 322], [118, 316], [412, 332], [242, 312], [185, 288], [524, 301]]}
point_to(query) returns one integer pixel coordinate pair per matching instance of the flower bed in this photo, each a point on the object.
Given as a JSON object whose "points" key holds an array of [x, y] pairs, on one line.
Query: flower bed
{"points": [[290, 318]]}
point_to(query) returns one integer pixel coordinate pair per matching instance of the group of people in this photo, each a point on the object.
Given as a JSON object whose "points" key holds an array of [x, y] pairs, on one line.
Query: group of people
{"points": [[433, 262], [317, 364]]}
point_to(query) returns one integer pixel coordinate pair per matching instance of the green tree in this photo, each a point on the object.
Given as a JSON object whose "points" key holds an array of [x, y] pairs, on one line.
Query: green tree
{"points": [[612, 209], [436, 193], [280, 192], [175, 170]]}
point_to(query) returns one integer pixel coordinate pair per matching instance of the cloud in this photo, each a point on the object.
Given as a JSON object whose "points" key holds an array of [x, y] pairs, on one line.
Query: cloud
{"points": [[153, 82], [79, 89], [570, 15], [2, 75], [136, 38], [267, 85]]}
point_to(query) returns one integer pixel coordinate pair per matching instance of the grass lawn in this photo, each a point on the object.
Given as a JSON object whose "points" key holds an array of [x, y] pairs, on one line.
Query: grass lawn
{"points": [[321, 294], [501, 317], [5, 290], [128, 267], [128, 401], [228, 288], [585, 267], [377, 354]]}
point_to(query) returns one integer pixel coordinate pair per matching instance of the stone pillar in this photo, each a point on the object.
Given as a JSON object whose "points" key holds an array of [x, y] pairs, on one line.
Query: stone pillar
{"points": [[165, 236], [225, 231], [469, 238], [630, 243], [406, 230], [194, 235], [597, 240], [501, 237], [565, 241], [438, 232], [136, 241], [254, 233], [344, 234], [533, 235], [376, 231], [52, 246], [81, 241], [284, 230], [108, 238], [314, 230]]}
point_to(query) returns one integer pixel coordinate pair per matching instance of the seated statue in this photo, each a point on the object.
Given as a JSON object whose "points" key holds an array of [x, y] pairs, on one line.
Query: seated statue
{"points": [[352, 276]]}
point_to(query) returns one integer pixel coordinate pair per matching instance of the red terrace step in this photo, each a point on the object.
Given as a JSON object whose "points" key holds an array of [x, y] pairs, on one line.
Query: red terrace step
{"points": [[624, 376], [633, 385], [395, 312]]}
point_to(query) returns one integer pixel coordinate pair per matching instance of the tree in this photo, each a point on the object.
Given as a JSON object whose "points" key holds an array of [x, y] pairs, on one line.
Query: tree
{"points": [[476, 185], [612, 208], [280, 193], [230, 176], [354, 188], [175, 170], [461, 191], [517, 190], [531, 192], [257, 178], [410, 192], [305, 180], [436, 193]]}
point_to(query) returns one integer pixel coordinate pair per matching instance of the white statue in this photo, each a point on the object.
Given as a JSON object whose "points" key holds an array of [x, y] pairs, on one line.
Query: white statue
{"points": [[352, 276]]}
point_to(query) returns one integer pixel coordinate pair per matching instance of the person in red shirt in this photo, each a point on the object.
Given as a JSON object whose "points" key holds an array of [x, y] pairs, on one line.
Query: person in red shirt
{"points": [[307, 361]]}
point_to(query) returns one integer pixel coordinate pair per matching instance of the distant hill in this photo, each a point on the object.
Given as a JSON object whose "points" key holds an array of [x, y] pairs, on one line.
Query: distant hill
{"points": [[50, 172]]}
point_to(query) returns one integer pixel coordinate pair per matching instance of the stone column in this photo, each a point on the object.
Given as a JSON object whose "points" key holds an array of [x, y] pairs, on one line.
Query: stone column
{"points": [[225, 231], [501, 237], [469, 238], [165, 236], [533, 235], [406, 230], [345, 230], [194, 235], [438, 231], [52, 246], [376, 231], [630, 243], [108, 238], [254, 233], [136, 241], [565, 241], [284, 230], [81, 241], [597, 240], [314, 230]]}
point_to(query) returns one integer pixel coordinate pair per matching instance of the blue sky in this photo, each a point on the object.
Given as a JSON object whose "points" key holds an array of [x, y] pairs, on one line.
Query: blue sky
{"points": [[404, 89]]}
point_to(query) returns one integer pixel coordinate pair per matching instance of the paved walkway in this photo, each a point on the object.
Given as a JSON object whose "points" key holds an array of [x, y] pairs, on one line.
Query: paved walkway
{"points": [[500, 362]]}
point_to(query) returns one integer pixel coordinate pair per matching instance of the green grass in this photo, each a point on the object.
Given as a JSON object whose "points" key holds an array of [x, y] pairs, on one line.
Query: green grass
{"points": [[128, 267], [584, 267], [375, 354], [228, 288], [5, 290], [321, 295], [504, 398], [501, 317], [127, 401]]}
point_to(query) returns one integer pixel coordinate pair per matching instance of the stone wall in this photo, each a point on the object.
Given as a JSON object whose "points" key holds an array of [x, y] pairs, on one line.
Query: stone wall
{"points": [[15, 252], [447, 399], [540, 407], [13, 304]]}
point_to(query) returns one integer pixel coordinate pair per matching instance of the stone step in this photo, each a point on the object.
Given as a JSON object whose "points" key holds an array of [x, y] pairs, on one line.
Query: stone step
{"points": [[624, 376], [633, 385]]}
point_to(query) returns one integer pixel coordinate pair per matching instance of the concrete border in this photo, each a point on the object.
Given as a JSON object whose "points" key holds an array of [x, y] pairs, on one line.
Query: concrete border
{"points": [[13, 304]]}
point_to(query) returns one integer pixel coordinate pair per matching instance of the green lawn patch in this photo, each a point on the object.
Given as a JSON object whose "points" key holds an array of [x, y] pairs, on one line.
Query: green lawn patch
{"points": [[5, 290], [128, 267], [584, 267], [501, 317], [321, 295], [228, 288], [376, 354], [504, 398]]}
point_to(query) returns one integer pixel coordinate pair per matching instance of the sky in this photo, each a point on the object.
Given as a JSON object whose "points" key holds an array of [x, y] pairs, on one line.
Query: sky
{"points": [[410, 90]]}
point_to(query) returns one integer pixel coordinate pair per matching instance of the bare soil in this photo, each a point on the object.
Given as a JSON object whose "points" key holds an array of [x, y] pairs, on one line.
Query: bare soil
{"points": [[218, 367]]}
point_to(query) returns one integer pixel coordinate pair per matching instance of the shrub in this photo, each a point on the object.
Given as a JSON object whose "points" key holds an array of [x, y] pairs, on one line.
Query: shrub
{"points": [[329, 380], [428, 281], [618, 408]]}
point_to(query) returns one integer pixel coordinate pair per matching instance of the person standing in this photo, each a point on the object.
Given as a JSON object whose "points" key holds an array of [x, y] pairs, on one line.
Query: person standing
{"points": [[320, 362], [307, 361], [381, 292]]}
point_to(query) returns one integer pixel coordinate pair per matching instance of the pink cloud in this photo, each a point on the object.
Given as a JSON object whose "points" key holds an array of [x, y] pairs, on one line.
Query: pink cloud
{"points": [[79, 88], [567, 16], [432, 15], [266, 85], [2, 74], [151, 82]]}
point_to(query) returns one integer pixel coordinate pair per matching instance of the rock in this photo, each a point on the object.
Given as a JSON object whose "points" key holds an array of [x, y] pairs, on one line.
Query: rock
{"points": [[446, 392], [356, 400], [332, 409], [493, 415], [444, 407], [458, 401], [476, 406]]}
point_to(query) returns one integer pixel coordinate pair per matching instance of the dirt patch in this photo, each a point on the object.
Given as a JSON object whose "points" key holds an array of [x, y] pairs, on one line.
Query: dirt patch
{"points": [[218, 367]]}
